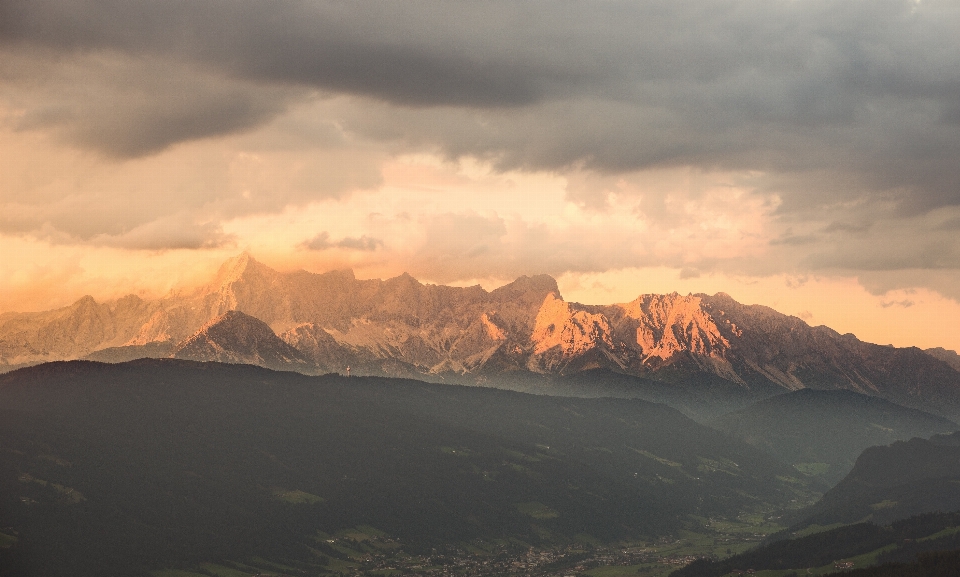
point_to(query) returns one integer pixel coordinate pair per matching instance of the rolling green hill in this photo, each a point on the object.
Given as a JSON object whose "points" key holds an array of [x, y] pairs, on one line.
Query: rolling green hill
{"points": [[854, 546], [165, 464], [893, 482], [823, 432]]}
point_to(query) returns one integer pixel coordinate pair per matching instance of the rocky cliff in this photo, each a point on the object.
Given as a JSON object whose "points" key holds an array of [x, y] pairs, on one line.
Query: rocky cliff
{"points": [[399, 326]]}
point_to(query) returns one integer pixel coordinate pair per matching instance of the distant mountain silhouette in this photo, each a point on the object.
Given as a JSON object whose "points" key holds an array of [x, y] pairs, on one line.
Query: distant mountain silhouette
{"points": [[520, 335]]}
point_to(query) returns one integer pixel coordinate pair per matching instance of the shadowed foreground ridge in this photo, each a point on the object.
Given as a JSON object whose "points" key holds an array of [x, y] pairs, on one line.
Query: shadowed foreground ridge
{"points": [[823, 432], [156, 464], [894, 481]]}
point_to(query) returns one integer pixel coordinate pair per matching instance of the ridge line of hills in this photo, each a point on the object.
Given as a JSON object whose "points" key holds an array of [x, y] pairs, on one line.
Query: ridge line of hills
{"points": [[898, 504], [522, 335], [164, 464], [156, 466]]}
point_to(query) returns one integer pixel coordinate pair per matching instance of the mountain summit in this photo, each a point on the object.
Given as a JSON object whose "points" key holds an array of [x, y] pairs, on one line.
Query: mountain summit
{"points": [[235, 337], [523, 334]]}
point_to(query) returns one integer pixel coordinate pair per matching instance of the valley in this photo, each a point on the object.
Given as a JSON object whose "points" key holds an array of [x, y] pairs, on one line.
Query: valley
{"points": [[459, 288], [174, 468], [298, 424], [166, 464]]}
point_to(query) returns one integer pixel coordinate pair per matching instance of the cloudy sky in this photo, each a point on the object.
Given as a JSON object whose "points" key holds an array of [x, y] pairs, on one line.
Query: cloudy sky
{"points": [[803, 154]]}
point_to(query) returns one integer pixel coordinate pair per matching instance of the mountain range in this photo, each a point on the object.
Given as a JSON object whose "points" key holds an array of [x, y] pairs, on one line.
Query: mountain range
{"points": [[522, 335]]}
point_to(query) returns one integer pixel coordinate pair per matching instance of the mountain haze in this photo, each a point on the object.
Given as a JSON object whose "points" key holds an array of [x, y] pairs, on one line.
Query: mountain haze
{"points": [[893, 482], [823, 432], [521, 334]]}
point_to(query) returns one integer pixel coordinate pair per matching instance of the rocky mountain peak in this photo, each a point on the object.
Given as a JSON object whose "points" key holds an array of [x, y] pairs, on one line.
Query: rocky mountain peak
{"points": [[672, 323], [331, 320], [403, 283], [573, 331], [945, 355], [85, 301], [345, 274], [128, 301], [539, 286], [242, 267], [236, 337], [241, 283], [237, 326]]}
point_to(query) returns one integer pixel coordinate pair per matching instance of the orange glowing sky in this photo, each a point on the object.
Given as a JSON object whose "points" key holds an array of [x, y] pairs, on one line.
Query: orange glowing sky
{"points": [[490, 141]]}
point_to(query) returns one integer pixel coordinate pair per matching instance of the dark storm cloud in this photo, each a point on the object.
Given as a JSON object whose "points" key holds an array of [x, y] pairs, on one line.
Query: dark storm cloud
{"points": [[865, 93], [413, 52], [130, 107]]}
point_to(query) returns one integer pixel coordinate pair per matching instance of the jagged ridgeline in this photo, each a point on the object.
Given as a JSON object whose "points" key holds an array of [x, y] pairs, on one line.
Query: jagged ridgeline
{"points": [[166, 464], [705, 354]]}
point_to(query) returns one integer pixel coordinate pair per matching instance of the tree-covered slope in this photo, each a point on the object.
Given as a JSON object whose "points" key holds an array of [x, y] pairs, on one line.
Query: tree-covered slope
{"points": [[859, 545], [119, 469], [893, 482], [823, 432]]}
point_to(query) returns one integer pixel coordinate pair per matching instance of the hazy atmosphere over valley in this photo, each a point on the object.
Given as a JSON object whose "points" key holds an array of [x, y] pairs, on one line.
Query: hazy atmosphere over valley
{"points": [[479, 288], [801, 155]]}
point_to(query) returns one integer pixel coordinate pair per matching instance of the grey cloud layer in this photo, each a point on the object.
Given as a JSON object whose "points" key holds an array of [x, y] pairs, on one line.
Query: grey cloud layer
{"points": [[837, 85], [849, 108], [130, 107]]}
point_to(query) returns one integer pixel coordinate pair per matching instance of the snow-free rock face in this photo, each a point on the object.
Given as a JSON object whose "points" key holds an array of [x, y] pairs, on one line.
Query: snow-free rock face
{"points": [[319, 347], [949, 357], [399, 326], [235, 337], [71, 331], [672, 324], [572, 331]]}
